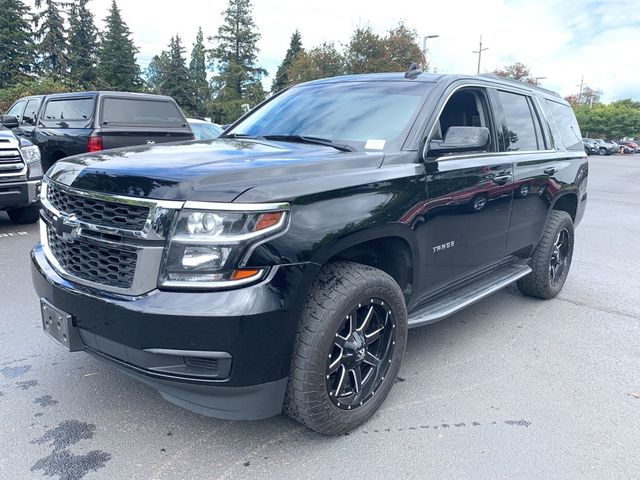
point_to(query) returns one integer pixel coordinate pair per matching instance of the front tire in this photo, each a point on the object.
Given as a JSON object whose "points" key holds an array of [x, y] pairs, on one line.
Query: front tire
{"points": [[23, 215], [552, 258], [349, 346]]}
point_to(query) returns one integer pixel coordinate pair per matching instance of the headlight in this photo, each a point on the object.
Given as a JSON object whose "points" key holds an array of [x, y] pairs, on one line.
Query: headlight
{"points": [[207, 248], [31, 154]]}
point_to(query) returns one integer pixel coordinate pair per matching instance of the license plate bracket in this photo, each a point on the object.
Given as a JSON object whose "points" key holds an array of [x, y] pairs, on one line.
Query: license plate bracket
{"points": [[59, 326]]}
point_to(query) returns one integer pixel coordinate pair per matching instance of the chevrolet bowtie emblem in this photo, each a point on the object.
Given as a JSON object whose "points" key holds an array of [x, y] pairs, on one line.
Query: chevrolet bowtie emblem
{"points": [[67, 228]]}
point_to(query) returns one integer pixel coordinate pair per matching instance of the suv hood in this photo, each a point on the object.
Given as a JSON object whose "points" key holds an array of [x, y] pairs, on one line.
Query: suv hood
{"points": [[215, 171]]}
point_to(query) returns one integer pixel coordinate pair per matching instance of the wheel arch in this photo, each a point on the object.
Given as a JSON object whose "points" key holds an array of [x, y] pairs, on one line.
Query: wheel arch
{"points": [[567, 202], [390, 248]]}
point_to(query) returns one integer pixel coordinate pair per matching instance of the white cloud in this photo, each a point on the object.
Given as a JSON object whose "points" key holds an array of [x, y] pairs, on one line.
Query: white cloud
{"points": [[559, 40]]}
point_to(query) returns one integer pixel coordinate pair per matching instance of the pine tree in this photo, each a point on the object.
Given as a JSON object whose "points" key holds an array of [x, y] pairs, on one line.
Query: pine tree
{"points": [[16, 44], [176, 80], [198, 73], [238, 83], [117, 64], [281, 79], [155, 72], [83, 46], [52, 41]]}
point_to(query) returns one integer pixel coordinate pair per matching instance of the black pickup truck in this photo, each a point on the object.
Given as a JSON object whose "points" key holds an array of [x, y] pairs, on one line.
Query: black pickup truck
{"points": [[283, 264], [20, 174], [67, 124]]}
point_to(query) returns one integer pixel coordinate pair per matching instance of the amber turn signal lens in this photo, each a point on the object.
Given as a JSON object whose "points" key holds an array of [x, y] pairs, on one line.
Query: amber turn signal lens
{"points": [[266, 220], [243, 273]]}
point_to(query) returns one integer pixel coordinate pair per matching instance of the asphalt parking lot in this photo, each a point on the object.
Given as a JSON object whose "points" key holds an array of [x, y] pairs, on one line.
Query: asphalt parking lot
{"points": [[510, 388]]}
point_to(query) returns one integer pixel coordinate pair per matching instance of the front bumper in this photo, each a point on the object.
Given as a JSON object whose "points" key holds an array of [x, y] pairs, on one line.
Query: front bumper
{"points": [[224, 354], [19, 194]]}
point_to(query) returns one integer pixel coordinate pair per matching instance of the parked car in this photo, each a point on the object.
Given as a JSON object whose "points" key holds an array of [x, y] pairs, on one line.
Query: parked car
{"points": [[604, 148], [281, 265], [626, 149], [20, 174], [590, 146], [71, 123], [631, 145], [204, 130]]}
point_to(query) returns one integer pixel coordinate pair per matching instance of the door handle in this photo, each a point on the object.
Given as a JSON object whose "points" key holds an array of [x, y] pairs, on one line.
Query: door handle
{"points": [[501, 179], [550, 170]]}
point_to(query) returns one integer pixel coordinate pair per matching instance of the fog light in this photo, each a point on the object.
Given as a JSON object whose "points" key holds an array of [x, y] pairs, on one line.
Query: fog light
{"points": [[210, 257]]}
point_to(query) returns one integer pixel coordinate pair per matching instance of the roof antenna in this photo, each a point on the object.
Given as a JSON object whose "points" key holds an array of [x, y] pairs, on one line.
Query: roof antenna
{"points": [[413, 72]]}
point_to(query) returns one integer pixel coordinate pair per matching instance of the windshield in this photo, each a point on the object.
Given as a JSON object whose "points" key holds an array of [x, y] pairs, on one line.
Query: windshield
{"points": [[362, 114]]}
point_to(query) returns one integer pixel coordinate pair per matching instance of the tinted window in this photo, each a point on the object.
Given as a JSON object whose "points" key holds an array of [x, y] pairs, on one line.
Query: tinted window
{"points": [[69, 109], [519, 133], [368, 112], [143, 113], [31, 112], [567, 125], [16, 110]]}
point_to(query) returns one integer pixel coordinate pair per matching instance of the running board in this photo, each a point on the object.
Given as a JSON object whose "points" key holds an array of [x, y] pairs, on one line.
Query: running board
{"points": [[449, 303]]}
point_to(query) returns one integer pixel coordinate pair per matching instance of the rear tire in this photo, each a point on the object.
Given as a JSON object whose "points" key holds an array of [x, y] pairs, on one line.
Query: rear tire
{"points": [[24, 215], [322, 396], [552, 258]]}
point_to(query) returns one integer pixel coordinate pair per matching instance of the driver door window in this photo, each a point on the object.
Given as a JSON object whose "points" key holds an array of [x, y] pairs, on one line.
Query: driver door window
{"points": [[465, 108]]}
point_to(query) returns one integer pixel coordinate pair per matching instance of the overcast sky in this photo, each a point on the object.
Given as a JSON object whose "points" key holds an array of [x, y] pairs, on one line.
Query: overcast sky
{"points": [[558, 39]]}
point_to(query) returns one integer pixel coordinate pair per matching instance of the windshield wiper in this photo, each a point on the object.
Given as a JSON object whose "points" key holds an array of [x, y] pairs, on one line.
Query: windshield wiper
{"points": [[237, 135], [312, 140]]}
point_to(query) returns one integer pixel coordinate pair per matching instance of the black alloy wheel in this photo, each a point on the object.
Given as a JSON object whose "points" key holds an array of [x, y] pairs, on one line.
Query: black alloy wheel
{"points": [[559, 256], [361, 354]]}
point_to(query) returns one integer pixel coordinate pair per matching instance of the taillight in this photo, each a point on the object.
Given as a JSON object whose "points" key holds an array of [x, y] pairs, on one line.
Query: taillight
{"points": [[94, 144]]}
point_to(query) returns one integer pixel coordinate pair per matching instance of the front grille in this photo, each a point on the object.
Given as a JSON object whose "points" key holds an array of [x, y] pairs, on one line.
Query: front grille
{"points": [[94, 263], [98, 212], [10, 161]]}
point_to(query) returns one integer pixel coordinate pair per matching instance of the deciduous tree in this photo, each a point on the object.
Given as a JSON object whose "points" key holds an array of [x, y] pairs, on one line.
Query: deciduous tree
{"points": [[319, 62], [517, 71]]}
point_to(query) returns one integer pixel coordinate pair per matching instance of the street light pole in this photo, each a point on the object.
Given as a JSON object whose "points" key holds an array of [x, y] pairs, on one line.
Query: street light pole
{"points": [[424, 44], [479, 52], [536, 79]]}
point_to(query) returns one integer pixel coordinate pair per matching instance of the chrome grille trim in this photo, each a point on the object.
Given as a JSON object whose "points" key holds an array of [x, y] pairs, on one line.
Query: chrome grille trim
{"points": [[147, 243], [11, 162]]}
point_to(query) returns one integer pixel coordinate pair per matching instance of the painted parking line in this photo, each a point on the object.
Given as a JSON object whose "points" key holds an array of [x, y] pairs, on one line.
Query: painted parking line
{"points": [[13, 234]]}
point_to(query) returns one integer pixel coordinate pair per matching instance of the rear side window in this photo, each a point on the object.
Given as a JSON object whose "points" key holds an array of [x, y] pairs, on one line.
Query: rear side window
{"points": [[141, 113], [519, 133], [69, 109], [31, 112], [567, 125]]}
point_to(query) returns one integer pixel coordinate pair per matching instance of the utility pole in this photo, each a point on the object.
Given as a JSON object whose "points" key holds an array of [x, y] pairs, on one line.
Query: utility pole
{"points": [[479, 52], [580, 92]]}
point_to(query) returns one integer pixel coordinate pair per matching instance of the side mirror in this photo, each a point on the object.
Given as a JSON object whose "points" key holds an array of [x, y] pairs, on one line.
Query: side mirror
{"points": [[9, 121], [461, 139]]}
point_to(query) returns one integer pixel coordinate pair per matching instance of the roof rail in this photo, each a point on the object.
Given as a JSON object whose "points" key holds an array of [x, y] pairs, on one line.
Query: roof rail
{"points": [[520, 83]]}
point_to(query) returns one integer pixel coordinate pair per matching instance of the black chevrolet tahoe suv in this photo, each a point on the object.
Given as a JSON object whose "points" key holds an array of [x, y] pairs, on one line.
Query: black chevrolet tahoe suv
{"points": [[280, 266], [20, 174], [67, 124]]}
